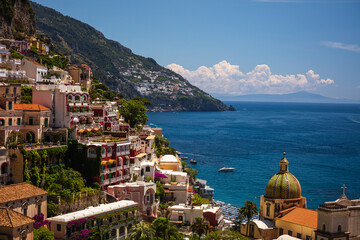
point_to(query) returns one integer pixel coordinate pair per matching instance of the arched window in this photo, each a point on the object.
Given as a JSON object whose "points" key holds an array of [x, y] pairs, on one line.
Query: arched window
{"points": [[268, 209], [92, 153], [77, 98], [147, 169], [84, 98], [70, 98], [109, 151], [339, 228], [4, 168], [323, 228], [103, 152]]}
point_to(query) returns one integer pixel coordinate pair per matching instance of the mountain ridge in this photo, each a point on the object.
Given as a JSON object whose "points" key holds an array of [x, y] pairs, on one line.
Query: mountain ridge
{"points": [[300, 96], [119, 68]]}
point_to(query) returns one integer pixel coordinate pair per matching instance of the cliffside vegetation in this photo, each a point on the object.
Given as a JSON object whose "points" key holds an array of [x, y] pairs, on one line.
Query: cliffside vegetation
{"points": [[119, 68]]}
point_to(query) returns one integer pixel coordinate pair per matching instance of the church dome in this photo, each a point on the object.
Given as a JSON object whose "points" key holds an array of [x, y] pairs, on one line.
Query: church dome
{"points": [[283, 185]]}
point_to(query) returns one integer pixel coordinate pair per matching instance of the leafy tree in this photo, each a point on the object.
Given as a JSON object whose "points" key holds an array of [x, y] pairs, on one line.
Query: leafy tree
{"points": [[43, 233], [35, 176], [141, 231], [224, 235], [17, 55], [52, 209], [134, 113], [144, 100], [26, 94], [198, 201], [248, 212], [200, 227], [160, 192], [165, 230], [192, 172]]}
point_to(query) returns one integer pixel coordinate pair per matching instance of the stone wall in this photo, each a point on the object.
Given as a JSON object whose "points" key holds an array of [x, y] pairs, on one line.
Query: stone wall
{"points": [[80, 202]]}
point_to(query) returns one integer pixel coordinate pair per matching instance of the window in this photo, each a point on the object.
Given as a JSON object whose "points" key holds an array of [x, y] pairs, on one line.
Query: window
{"points": [[14, 90], [308, 237], [147, 169], [147, 198], [2, 122], [19, 121], [25, 211], [180, 218], [39, 209], [10, 121], [339, 228], [281, 231], [103, 152], [109, 151], [289, 232], [118, 149], [77, 98], [298, 235], [7, 90], [46, 122], [92, 153], [268, 209], [323, 228], [58, 227], [10, 105], [31, 121]]}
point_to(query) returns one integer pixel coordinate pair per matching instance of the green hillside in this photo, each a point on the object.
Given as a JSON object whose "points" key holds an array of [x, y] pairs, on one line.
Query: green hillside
{"points": [[121, 69]]}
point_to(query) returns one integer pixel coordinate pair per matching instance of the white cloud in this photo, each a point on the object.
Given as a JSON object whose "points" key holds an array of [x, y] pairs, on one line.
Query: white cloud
{"points": [[224, 78], [343, 46]]}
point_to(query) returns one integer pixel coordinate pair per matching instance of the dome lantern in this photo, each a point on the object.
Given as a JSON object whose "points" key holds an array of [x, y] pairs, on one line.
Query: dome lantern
{"points": [[283, 185]]}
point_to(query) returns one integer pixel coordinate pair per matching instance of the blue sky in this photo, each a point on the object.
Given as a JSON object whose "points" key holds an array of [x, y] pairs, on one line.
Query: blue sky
{"points": [[238, 47]]}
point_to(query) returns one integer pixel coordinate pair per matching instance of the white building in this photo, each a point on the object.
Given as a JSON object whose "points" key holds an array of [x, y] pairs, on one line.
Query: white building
{"points": [[34, 71]]}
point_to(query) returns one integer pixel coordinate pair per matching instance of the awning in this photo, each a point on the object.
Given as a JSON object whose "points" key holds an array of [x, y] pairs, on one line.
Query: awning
{"points": [[168, 191], [81, 131], [160, 175], [140, 155], [103, 163], [96, 129], [151, 137], [111, 161]]}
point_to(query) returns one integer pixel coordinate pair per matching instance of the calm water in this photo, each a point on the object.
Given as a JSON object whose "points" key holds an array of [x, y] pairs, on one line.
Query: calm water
{"points": [[322, 142]]}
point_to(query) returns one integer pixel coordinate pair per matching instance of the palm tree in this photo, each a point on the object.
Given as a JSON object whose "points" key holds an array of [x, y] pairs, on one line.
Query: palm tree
{"points": [[200, 227], [141, 231], [248, 212]]}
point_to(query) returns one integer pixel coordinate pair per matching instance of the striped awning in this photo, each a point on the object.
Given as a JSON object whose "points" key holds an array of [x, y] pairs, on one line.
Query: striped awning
{"points": [[111, 161], [103, 163]]}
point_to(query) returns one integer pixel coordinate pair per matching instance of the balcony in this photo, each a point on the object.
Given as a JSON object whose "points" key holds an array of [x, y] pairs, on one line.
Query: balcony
{"points": [[118, 179], [105, 182], [105, 171], [113, 169], [77, 114], [126, 166]]}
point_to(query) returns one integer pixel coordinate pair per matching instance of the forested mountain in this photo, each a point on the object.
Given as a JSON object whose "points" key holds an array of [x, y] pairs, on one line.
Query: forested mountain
{"points": [[119, 68]]}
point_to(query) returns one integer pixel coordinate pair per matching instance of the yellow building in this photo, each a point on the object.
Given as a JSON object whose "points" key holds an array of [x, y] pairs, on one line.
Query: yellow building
{"points": [[297, 222], [170, 162], [283, 209]]}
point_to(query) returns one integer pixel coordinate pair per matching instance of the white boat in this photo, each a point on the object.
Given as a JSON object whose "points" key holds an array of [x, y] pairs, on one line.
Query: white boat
{"points": [[178, 153], [184, 158], [226, 169], [193, 161]]}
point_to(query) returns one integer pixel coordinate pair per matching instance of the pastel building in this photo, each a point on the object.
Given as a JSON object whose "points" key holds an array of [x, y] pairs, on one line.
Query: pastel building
{"points": [[339, 219], [176, 186], [34, 71], [169, 162], [115, 161], [69, 106], [113, 220], [107, 115], [141, 192], [187, 214]]}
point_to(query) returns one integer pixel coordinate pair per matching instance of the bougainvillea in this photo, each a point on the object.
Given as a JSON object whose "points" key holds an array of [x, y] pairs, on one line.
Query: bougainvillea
{"points": [[39, 221]]}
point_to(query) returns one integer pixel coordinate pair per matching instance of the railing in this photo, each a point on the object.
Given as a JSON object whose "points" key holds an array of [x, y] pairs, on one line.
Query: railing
{"points": [[113, 169], [119, 179], [105, 182], [105, 171], [74, 114], [126, 166]]}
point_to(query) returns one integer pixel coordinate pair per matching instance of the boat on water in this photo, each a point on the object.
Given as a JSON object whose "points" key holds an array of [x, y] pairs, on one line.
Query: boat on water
{"points": [[183, 158], [226, 169], [178, 153], [193, 161]]}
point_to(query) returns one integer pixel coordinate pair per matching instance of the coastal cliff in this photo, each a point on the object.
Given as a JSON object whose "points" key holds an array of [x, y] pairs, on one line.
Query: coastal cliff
{"points": [[121, 69], [17, 19]]}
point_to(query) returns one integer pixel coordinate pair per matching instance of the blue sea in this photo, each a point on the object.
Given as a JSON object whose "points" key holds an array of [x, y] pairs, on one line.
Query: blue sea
{"points": [[321, 141]]}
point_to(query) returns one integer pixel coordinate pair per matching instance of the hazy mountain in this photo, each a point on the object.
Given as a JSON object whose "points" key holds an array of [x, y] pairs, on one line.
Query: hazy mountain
{"points": [[301, 96]]}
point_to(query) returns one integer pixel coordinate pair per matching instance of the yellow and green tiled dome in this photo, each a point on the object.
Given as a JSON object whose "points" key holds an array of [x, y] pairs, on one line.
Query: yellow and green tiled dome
{"points": [[283, 185]]}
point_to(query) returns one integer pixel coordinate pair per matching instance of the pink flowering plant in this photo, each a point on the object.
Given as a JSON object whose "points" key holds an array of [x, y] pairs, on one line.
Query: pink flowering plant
{"points": [[39, 221]]}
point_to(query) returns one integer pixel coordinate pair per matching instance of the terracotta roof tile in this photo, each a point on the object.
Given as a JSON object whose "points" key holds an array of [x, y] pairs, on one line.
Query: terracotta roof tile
{"points": [[301, 216], [30, 107], [10, 218], [19, 191]]}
